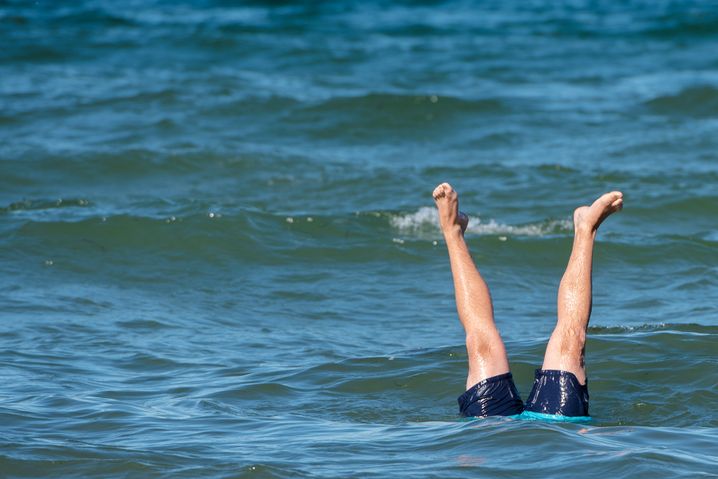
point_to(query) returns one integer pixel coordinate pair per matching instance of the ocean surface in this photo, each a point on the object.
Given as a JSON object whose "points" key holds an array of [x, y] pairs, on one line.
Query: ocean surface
{"points": [[219, 255]]}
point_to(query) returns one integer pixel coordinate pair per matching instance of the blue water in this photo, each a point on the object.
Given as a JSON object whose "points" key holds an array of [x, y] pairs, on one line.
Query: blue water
{"points": [[219, 255]]}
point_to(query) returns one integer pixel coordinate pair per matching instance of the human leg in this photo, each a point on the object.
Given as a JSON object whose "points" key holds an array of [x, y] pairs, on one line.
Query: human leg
{"points": [[566, 347], [560, 386], [486, 351]]}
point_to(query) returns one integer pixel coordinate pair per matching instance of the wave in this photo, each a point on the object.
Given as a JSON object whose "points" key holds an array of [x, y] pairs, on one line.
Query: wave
{"points": [[680, 24], [44, 204], [381, 116], [411, 104], [425, 220], [202, 229], [694, 101], [660, 327]]}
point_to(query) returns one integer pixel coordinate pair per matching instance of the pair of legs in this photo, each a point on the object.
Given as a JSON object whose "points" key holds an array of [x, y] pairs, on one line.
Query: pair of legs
{"points": [[485, 348]]}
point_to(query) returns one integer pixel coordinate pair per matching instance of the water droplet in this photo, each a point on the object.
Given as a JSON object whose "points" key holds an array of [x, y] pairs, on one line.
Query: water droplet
{"points": [[310, 219], [290, 219], [49, 262], [435, 242], [433, 98], [211, 215]]}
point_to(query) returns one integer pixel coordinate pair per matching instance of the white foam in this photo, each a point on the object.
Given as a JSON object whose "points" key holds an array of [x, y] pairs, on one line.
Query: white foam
{"points": [[532, 229], [425, 220]]}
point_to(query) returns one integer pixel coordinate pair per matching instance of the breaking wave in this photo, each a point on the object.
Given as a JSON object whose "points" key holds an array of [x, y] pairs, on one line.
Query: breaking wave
{"points": [[425, 221]]}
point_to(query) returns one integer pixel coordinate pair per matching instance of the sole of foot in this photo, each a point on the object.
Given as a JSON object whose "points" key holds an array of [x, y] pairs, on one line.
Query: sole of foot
{"points": [[589, 218]]}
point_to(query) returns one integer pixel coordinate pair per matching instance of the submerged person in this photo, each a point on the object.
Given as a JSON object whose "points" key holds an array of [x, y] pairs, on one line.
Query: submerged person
{"points": [[560, 387]]}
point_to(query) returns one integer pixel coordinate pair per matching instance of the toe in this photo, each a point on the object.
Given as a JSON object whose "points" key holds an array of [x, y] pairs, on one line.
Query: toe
{"points": [[444, 189], [615, 195], [606, 200]]}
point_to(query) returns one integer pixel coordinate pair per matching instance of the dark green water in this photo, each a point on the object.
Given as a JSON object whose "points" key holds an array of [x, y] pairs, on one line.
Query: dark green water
{"points": [[219, 257]]}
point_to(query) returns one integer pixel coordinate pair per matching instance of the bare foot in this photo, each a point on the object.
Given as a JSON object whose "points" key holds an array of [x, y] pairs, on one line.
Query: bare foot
{"points": [[588, 218], [447, 202]]}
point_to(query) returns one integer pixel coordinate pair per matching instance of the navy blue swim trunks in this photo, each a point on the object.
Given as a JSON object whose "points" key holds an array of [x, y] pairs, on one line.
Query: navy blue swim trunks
{"points": [[494, 396], [554, 393], [558, 393]]}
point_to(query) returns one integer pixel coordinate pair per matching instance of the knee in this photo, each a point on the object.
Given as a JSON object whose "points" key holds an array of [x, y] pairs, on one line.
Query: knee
{"points": [[571, 340], [481, 345]]}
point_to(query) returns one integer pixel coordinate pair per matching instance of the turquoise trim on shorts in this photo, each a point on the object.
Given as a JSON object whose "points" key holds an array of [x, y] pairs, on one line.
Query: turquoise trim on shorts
{"points": [[538, 416]]}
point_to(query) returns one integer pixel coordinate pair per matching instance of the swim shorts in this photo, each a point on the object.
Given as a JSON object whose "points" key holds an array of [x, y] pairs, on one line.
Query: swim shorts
{"points": [[554, 393], [558, 393], [494, 396]]}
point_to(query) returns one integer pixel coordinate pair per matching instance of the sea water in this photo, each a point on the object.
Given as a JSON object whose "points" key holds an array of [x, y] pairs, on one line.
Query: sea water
{"points": [[219, 255]]}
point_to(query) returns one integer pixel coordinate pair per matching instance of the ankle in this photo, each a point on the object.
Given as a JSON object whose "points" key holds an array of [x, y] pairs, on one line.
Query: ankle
{"points": [[584, 230], [452, 231]]}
